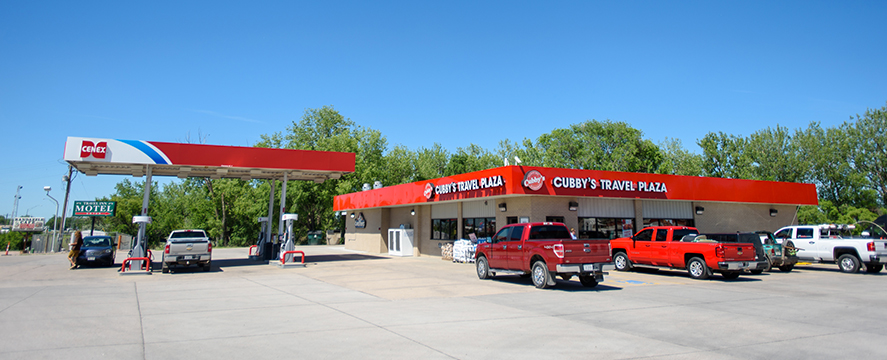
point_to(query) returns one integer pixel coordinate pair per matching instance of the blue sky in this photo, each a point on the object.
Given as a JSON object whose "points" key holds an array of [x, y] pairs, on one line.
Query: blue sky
{"points": [[421, 72]]}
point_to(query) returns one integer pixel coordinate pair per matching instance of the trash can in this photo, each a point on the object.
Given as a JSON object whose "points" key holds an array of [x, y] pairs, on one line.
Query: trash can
{"points": [[315, 237]]}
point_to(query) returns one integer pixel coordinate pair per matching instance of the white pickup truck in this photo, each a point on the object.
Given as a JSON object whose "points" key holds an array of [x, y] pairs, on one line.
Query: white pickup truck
{"points": [[831, 243], [187, 247]]}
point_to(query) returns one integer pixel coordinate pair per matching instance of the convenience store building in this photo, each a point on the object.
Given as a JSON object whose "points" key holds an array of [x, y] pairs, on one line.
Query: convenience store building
{"points": [[597, 204]]}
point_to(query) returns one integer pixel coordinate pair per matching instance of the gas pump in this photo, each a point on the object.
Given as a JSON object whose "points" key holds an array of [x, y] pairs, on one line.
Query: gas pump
{"points": [[261, 252], [141, 246], [289, 243]]}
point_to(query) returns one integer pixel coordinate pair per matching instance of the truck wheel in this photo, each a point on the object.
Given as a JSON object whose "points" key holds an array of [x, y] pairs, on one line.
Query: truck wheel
{"points": [[697, 269], [874, 268], [164, 268], [541, 276], [620, 262], [786, 268], [732, 275], [483, 268], [848, 263], [588, 280], [769, 266]]}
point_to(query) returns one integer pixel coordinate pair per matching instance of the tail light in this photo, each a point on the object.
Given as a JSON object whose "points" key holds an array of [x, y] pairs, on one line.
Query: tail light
{"points": [[166, 250], [772, 251], [209, 246], [719, 251], [558, 250], [870, 246]]}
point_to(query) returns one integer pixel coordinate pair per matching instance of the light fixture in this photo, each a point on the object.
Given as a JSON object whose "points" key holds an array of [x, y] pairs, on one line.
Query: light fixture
{"points": [[774, 212], [352, 215], [699, 210], [574, 206], [502, 207], [344, 213], [413, 212]]}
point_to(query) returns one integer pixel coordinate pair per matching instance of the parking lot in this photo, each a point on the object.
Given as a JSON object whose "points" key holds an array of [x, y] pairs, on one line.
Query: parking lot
{"points": [[346, 304]]}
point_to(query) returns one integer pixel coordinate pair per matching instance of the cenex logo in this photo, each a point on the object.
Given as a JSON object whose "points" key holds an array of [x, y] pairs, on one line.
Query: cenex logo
{"points": [[533, 180], [96, 150], [429, 191]]}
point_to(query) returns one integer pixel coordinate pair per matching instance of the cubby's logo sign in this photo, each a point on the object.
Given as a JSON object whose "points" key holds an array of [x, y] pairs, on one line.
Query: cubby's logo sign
{"points": [[533, 180], [429, 191], [97, 151]]}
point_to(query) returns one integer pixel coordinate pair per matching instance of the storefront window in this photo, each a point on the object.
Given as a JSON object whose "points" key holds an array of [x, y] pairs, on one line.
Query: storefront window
{"points": [[669, 222], [481, 227], [603, 228], [559, 219], [443, 229]]}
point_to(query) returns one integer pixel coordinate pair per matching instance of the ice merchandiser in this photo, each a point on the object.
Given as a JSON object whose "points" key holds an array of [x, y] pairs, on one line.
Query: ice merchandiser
{"points": [[400, 242]]}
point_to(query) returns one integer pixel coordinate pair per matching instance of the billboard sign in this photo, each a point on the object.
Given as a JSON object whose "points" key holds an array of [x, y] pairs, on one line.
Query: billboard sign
{"points": [[94, 208], [31, 224]]}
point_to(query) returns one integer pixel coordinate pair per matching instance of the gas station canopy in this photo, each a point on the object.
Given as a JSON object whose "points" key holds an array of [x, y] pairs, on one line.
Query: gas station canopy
{"points": [[94, 156]]}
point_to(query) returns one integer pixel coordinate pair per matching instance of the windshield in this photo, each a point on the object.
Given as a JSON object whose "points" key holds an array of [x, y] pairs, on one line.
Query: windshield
{"points": [[188, 234], [97, 241]]}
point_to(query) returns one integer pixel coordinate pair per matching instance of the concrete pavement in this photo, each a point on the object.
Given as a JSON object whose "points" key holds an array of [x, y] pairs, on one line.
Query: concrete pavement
{"points": [[349, 305]]}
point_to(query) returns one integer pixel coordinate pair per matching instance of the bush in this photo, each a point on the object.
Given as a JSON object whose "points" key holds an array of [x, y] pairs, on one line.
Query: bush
{"points": [[14, 239]]}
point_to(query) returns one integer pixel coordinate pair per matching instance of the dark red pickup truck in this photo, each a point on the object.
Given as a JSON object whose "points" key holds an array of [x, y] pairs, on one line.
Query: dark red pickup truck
{"points": [[681, 247], [543, 251]]}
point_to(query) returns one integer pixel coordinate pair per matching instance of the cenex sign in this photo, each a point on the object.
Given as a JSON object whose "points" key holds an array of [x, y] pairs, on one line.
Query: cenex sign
{"points": [[94, 208]]}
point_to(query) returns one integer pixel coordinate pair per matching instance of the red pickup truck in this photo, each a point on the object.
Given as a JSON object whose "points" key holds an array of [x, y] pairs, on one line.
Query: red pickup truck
{"points": [[542, 251], [681, 247]]}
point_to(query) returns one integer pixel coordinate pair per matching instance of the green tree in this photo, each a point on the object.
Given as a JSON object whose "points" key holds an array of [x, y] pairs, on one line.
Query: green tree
{"points": [[828, 212], [775, 156], [431, 162], [599, 145], [835, 177], [868, 149], [469, 159], [678, 161], [325, 129], [724, 156]]}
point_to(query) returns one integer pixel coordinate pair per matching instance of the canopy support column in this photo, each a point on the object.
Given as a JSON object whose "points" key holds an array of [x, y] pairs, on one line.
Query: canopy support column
{"points": [[141, 245], [282, 203]]}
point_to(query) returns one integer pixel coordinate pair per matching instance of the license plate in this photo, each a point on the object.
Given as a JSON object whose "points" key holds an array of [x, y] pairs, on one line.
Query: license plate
{"points": [[188, 257], [91, 258], [588, 267]]}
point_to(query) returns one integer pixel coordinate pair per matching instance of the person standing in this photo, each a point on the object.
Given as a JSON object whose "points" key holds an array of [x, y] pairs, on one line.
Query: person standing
{"points": [[76, 244]]}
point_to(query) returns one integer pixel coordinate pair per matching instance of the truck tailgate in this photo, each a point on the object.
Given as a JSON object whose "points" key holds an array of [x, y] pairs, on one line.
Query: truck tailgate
{"points": [[189, 246], [880, 247], [738, 252], [586, 251]]}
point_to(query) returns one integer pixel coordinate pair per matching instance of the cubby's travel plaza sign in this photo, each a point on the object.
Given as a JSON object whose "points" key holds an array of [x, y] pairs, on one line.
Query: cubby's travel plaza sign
{"points": [[94, 208]]}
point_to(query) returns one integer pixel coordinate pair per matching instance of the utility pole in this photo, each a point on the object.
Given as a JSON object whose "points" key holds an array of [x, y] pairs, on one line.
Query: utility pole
{"points": [[54, 220], [67, 179], [15, 203]]}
